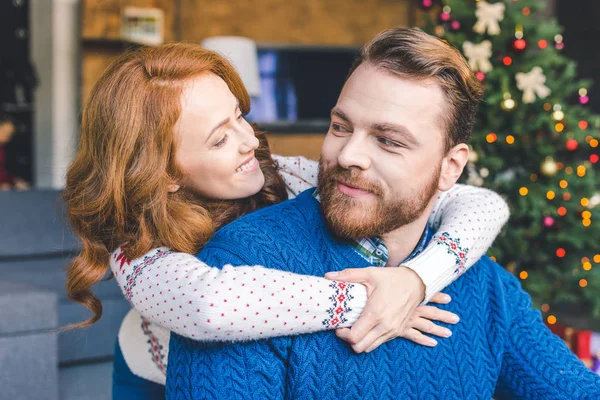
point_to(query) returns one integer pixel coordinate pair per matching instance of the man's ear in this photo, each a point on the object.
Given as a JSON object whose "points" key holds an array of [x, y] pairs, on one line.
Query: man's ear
{"points": [[453, 164]]}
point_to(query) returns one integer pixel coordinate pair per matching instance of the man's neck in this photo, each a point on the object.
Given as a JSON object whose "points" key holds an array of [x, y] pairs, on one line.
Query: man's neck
{"points": [[402, 241]]}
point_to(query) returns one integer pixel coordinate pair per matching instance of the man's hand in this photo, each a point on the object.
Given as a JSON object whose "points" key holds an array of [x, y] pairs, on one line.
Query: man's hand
{"points": [[394, 294]]}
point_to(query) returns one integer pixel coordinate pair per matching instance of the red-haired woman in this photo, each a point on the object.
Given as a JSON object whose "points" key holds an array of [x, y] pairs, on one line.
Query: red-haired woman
{"points": [[166, 158]]}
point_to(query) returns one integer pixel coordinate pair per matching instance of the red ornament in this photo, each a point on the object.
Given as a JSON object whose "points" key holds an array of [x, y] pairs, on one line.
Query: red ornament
{"points": [[480, 75], [520, 44], [445, 17], [572, 144], [455, 25], [548, 221], [594, 158], [426, 3]]}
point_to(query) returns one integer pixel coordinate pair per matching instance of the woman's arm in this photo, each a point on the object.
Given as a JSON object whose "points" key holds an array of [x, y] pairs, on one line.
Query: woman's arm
{"points": [[183, 294], [298, 173], [466, 220]]}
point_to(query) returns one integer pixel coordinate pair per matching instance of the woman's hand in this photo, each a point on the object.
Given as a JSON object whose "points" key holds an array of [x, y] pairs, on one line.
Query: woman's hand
{"points": [[391, 310]]}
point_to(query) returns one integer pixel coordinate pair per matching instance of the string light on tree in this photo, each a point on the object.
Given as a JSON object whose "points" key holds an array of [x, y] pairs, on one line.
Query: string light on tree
{"points": [[558, 115], [549, 167], [445, 15], [571, 144], [558, 40], [583, 96], [519, 43], [508, 104], [548, 222]]}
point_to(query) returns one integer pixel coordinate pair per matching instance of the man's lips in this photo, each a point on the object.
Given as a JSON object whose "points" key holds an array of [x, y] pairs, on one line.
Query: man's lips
{"points": [[351, 190]]}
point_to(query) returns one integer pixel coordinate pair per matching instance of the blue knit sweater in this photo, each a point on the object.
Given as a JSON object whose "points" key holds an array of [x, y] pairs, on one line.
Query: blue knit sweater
{"points": [[500, 347]]}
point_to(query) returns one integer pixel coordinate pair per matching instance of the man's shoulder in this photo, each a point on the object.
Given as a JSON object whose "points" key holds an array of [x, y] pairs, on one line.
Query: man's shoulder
{"points": [[268, 228], [298, 208], [488, 276]]}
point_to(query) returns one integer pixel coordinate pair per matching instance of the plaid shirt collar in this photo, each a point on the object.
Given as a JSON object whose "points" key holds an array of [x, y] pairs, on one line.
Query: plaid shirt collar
{"points": [[374, 250]]}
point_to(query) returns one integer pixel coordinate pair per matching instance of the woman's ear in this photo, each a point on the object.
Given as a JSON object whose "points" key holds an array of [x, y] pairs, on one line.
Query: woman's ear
{"points": [[173, 188], [452, 166]]}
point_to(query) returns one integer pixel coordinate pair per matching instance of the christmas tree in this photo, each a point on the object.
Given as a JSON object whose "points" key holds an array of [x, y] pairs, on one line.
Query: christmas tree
{"points": [[535, 142]]}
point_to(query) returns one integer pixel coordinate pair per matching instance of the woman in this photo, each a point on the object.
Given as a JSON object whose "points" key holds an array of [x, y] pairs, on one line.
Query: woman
{"points": [[165, 159]]}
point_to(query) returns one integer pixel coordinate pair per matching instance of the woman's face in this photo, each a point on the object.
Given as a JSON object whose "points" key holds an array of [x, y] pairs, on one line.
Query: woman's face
{"points": [[215, 147]]}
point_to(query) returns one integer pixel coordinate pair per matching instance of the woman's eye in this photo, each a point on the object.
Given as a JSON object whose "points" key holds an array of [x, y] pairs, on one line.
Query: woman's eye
{"points": [[240, 117], [221, 142]]}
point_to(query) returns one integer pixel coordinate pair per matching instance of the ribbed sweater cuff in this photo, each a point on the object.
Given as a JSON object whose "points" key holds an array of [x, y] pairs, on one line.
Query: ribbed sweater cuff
{"points": [[436, 268], [356, 305]]}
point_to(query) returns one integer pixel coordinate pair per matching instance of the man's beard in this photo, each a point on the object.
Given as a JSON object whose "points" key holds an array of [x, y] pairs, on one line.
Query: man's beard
{"points": [[351, 218]]}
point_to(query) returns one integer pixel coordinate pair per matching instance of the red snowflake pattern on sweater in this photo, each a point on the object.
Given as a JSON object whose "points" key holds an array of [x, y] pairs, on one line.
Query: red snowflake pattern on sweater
{"points": [[339, 300], [453, 247], [156, 349], [134, 275]]}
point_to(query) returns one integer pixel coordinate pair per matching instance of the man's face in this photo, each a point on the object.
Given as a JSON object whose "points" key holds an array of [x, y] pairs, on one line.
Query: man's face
{"points": [[381, 160]]}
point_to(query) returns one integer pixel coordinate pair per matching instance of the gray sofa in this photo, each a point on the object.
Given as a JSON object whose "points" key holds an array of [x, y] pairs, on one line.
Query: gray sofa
{"points": [[37, 361]]}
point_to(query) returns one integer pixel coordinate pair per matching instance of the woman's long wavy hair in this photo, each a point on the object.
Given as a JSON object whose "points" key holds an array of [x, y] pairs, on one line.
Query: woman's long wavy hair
{"points": [[117, 186]]}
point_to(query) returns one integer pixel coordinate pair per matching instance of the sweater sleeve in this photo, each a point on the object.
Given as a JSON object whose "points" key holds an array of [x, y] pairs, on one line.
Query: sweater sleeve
{"points": [[466, 221], [298, 173], [183, 294], [536, 363], [254, 369]]}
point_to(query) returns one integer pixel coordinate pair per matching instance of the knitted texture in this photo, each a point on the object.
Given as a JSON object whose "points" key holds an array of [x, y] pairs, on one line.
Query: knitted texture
{"points": [[178, 292], [500, 342]]}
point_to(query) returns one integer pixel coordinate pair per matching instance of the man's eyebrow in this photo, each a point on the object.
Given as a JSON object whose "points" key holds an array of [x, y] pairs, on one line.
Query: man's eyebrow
{"points": [[395, 129], [340, 114]]}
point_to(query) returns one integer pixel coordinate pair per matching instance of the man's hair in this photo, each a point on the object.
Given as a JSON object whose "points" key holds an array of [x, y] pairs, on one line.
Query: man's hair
{"points": [[413, 54]]}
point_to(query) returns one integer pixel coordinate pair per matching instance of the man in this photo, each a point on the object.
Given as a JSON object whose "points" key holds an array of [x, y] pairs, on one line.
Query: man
{"points": [[398, 135]]}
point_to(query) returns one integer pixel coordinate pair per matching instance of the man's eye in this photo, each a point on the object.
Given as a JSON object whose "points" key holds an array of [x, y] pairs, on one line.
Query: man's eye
{"points": [[387, 142], [338, 128]]}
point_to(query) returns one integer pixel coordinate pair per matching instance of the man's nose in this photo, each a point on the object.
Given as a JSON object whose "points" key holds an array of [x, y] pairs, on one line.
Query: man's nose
{"points": [[354, 154]]}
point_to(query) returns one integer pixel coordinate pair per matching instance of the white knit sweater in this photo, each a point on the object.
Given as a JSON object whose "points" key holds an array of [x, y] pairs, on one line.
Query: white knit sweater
{"points": [[247, 302]]}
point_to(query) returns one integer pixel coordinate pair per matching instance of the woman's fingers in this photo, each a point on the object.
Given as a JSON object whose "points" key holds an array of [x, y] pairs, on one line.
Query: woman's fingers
{"points": [[441, 298], [436, 314], [426, 326], [370, 339], [415, 336]]}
